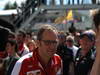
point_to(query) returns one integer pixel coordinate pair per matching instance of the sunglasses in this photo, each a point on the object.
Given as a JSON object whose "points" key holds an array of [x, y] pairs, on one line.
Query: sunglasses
{"points": [[49, 42], [69, 40], [61, 36]]}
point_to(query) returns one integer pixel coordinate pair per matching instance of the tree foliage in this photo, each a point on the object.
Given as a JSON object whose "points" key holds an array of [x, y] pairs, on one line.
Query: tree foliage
{"points": [[11, 6]]}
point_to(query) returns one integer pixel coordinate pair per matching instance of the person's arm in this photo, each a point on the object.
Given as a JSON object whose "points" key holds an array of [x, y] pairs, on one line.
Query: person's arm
{"points": [[96, 66], [17, 68]]}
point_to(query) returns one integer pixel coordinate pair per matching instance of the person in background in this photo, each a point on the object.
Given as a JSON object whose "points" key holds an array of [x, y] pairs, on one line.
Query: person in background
{"points": [[3, 54], [70, 44], [28, 37], [65, 53], [31, 45], [5, 29], [96, 19], [84, 57], [77, 38], [11, 49], [22, 48], [61, 45], [43, 61]]}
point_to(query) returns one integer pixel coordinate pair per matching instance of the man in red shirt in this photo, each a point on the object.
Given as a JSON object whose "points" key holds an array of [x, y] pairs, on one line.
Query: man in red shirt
{"points": [[43, 61]]}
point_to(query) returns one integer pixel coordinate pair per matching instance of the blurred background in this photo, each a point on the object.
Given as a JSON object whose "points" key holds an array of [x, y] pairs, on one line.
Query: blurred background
{"points": [[63, 14]]}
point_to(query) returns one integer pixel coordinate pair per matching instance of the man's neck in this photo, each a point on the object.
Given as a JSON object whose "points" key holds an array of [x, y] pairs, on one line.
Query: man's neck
{"points": [[44, 59]]}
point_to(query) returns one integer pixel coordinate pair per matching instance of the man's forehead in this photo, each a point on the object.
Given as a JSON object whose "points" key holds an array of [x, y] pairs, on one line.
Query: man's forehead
{"points": [[85, 37], [49, 34], [50, 31]]}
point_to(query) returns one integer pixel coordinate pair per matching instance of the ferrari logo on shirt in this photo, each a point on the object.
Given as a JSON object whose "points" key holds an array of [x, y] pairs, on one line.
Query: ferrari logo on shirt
{"points": [[36, 72]]}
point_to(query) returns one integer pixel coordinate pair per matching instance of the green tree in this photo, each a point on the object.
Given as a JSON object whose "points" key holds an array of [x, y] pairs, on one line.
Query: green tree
{"points": [[11, 6], [15, 5], [7, 6]]}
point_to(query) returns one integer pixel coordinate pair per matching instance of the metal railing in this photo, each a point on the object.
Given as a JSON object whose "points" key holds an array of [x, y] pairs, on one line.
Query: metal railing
{"points": [[32, 8]]}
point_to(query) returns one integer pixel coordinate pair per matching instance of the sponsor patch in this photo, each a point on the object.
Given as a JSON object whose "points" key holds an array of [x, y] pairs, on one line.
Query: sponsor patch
{"points": [[36, 72]]}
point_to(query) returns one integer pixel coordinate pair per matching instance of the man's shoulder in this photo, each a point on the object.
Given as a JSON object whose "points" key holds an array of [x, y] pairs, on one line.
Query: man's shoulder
{"points": [[56, 56], [25, 57], [19, 63]]}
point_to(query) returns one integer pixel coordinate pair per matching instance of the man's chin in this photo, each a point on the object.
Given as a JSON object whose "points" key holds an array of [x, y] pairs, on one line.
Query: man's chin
{"points": [[51, 54]]}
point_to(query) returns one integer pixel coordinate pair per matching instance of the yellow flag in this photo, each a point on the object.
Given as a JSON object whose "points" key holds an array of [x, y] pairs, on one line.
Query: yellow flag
{"points": [[69, 15]]}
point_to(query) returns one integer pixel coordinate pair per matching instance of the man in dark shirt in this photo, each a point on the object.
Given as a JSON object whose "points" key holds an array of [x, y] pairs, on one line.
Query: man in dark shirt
{"points": [[86, 54]]}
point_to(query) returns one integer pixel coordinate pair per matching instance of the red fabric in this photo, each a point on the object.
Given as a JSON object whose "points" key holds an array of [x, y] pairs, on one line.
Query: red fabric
{"points": [[32, 66], [3, 54], [21, 47]]}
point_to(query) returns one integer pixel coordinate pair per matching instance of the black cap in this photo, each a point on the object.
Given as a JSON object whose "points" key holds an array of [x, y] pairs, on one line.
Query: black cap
{"points": [[90, 35]]}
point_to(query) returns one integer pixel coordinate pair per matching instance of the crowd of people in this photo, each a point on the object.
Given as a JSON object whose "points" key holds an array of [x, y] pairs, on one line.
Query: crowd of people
{"points": [[51, 52]]}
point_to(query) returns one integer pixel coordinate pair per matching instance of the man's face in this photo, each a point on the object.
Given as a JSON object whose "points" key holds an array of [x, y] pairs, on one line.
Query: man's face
{"points": [[27, 38], [86, 42], [69, 43], [20, 37], [10, 48], [48, 43]]}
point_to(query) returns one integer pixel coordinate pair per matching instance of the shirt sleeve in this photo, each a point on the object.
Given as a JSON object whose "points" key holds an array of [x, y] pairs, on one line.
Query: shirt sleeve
{"points": [[18, 64]]}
